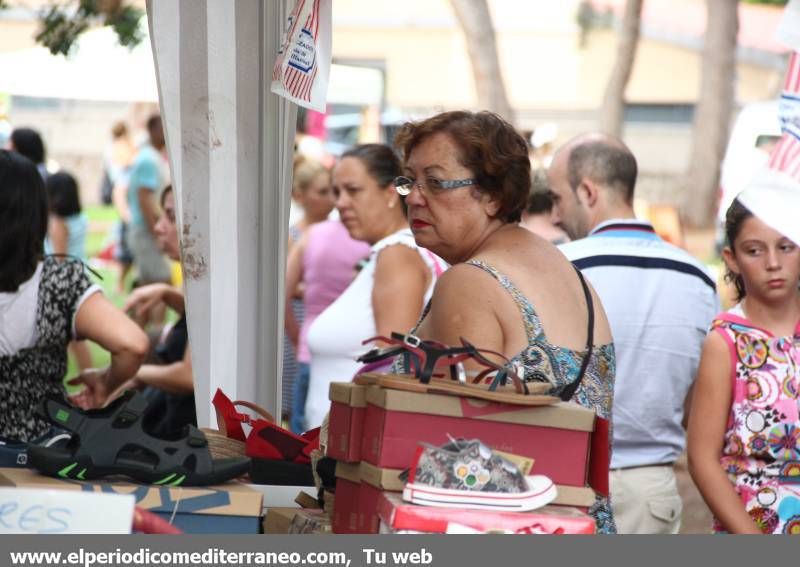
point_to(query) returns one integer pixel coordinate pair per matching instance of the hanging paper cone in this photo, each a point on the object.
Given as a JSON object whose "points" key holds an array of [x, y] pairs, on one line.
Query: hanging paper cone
{"points": [[303, 64]]}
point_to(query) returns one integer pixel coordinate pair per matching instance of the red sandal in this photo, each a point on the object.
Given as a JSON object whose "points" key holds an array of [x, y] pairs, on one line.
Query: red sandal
{"points": [[266, 440]]}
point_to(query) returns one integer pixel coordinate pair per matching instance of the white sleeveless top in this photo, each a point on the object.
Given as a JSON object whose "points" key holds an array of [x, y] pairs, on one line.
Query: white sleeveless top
{"points": [[334, 338]]}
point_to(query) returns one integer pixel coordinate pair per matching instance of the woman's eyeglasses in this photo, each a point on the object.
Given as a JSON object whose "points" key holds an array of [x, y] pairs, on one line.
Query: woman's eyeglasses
{"points": [[430, 186]]}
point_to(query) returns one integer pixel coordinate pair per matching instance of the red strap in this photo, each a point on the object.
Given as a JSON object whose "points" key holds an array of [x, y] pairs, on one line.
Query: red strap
{"points": [[146, 522]]}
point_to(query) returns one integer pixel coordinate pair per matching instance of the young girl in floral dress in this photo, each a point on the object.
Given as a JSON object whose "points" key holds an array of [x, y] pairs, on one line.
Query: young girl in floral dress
{"points": [[744, 429]]}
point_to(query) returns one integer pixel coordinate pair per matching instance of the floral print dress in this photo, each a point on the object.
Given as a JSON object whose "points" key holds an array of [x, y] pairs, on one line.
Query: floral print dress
{"points": [[761, 451], [27, 376]]}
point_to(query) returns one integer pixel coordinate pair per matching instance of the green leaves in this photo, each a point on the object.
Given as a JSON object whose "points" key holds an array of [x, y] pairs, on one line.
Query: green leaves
{"points": [[63, 23]]}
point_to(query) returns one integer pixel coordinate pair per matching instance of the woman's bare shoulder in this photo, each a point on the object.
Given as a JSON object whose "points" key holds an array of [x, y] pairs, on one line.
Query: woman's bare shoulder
{"points": [[463, 279], [399, 256], [464, 303]]}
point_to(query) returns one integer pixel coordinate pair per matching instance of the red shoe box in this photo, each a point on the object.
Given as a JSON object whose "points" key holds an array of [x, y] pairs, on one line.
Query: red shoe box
{"points": [[398, 515], [370, 499], [347, 516], [346, 421], [355, 506], [558, 437]]}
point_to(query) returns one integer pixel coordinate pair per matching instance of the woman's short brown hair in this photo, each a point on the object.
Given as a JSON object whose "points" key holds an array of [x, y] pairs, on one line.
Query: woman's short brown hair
{"points": [[489, 146]]}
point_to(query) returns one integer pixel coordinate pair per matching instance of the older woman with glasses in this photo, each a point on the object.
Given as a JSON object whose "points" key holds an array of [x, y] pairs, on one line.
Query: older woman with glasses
{"points": [[466, 182], [390, 289]]}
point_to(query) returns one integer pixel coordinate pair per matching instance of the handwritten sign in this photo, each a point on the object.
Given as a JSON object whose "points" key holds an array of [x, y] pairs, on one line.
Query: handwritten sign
{"points": [[37, 511]]}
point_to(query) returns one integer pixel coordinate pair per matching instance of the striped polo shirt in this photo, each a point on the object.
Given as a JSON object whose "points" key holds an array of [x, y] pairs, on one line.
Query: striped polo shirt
{"points": [[660, 302]]}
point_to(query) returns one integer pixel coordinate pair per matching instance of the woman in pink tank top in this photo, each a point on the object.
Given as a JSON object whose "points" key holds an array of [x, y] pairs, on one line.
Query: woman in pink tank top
{"points": [[324, 260]]}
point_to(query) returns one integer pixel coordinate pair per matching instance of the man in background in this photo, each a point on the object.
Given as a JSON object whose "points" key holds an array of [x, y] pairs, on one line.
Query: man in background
{"points": [[659, 301], [144, 186]]}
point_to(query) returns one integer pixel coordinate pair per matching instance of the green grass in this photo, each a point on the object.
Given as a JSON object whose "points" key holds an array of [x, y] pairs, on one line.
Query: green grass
{"points": [[101, 213]]}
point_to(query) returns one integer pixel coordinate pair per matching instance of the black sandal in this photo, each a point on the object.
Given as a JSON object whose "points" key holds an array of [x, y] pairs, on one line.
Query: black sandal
{"points": [[423, 355], [112, 441], [426, 356]]}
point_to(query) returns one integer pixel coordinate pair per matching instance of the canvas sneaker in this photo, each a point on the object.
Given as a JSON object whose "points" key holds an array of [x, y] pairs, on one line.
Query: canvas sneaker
{"points": [[468, 474]]}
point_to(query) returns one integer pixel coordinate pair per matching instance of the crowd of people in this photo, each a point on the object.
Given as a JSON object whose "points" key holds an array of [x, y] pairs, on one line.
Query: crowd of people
{"points": [[450, 234]]}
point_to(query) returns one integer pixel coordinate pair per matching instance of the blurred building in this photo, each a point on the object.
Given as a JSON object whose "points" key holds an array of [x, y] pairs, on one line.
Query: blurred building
{"points": [[414, 62], [556, 70]]}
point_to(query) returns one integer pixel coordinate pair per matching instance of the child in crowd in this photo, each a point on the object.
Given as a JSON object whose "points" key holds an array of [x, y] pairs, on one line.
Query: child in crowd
{"points": [[744, 430], [68, 225], [67, 228]]}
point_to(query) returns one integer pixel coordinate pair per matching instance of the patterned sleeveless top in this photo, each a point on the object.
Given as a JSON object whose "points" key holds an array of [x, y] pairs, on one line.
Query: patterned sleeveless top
{"points": [[761, 451], [560, 366], [30, 374]]}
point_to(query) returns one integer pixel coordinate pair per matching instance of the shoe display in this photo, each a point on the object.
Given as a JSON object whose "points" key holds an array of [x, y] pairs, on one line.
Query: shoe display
{"points": [[113, 441], [468, 474]]}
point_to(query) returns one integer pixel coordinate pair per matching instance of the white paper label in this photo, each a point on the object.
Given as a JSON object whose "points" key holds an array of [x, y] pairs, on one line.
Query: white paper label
{"points": [[38, 511]]}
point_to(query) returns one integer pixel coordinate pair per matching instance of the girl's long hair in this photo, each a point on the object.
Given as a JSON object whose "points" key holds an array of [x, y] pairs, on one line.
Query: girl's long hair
{"points": [[734, 219]]}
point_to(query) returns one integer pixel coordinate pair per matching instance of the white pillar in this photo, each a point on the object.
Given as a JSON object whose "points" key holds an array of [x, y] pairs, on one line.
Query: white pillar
{"points": [[230, 145]]}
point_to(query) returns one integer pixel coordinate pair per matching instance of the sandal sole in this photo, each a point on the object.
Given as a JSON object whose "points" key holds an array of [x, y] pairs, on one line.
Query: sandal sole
{"points": [[62, 464], [448, 387]]}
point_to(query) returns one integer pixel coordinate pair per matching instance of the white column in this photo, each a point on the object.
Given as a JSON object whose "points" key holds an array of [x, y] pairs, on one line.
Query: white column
{"points": [[230, 145]]}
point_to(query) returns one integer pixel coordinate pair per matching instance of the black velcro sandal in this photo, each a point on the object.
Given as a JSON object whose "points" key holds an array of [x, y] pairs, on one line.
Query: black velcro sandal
{"points": [[112, 441]]}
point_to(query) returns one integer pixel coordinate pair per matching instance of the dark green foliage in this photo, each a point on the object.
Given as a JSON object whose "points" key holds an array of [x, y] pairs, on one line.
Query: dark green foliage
{"points": [[63, 22]]}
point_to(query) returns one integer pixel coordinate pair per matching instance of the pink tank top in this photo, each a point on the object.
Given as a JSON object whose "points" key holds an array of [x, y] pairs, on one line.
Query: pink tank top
{"points": [[329, 265]]}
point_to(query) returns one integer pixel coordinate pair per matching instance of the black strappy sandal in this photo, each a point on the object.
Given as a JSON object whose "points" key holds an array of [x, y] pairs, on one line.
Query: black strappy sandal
{"points": [[112, 441], [424, 355], [497, 382]]}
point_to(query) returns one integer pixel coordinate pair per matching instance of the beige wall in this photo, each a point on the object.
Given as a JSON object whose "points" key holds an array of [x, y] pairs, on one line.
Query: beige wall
{"points": [[16, 34], [542, 64], [547, 75]]}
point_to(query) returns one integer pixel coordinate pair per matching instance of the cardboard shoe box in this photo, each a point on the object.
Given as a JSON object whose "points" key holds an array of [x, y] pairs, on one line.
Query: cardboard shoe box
{"points": [[558, 437], [346, 421], [310, 522], [355, 507], [402, 516], [278, 520], [347, 518], [221, 509]]}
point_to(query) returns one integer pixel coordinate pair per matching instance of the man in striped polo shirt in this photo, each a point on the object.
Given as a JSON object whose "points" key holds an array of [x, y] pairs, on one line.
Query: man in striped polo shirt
{"points": [[659, 301]]}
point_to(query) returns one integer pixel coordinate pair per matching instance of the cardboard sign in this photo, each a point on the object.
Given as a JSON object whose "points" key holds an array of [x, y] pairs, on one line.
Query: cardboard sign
{"points": [[227, 508], [37, 511]]}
